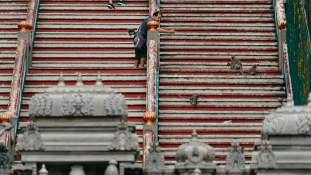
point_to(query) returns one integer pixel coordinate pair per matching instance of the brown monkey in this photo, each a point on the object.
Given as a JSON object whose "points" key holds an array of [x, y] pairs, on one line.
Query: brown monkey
{"points": [[193, 99], [242, 149], [252, 71], [236, 65]]}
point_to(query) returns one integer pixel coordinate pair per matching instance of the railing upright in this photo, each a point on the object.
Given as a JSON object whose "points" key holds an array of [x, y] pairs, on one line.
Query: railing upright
{"points": [[280, 22], [288, 79], [22, 63], [150, 128]]}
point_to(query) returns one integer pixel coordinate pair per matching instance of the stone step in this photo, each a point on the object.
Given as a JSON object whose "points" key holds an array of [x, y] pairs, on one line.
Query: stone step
{"points": [[213, 65], [217, 1], [207, 29], [219, 44], [81, 35], [41, 89], [235, 38], [91, 16], [73, 77], [221, 34], [90, 7], [83, 44], [129, 101], [215, 24], [13, 7], [80, 64], [217, 53], [128, 54], [57, 25], [216, 15], [8, 25]]}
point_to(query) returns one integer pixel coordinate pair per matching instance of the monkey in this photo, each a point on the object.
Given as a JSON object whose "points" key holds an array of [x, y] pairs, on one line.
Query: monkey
{"points": [[236, 65], [242, 149], [252, 71], [193, 99]]}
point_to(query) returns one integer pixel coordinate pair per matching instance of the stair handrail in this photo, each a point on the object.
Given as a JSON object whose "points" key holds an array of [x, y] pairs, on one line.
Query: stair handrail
{"points": [[16, 92], [22, 63], [280, 14], [288, 80], [280, 25], [31, 18]]}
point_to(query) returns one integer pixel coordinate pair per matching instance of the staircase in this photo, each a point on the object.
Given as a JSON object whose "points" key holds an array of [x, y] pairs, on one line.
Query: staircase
{"points": [[11, 13], [75, 36], [193, 60]]}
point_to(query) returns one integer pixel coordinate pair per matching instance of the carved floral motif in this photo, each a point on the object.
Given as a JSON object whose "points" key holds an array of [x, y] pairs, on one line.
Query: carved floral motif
{"points": [[154, 160], [31, 140], [115, 104], [78, 104], [272, 124], [235, 156], [194, 152], [123, 139], [40, 105], [266, 158], [303, 123]]}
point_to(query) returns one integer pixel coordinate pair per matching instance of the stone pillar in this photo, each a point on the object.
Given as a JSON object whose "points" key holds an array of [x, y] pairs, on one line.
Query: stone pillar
{"points": [[153, 7], [150, 126]]}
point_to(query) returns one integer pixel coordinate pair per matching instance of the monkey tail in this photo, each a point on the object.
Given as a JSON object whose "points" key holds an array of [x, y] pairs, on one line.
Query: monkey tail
{"points": [[181, 97], [241, 70]]}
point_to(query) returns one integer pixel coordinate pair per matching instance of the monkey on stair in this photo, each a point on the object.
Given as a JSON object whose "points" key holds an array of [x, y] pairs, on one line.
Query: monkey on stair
{"points": [[236, 65], [252, 71], [193, 99]]}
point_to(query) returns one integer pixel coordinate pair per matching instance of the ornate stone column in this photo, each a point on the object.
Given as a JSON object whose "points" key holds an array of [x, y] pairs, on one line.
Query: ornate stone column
{"points": [[150, 126]]}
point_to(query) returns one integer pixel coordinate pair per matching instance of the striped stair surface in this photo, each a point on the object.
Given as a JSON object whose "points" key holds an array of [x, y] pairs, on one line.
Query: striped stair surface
{"points": [[11, 13], [194, 60], [84, 36]]}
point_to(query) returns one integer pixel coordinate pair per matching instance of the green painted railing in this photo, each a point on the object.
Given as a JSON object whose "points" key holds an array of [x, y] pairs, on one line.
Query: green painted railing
{"points": [[298, 42]]}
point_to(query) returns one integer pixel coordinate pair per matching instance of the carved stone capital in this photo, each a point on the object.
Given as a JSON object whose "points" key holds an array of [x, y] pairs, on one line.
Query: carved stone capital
{"points": [[195, 153], [235, 157], [30, 140], [123, 140], [155, 159], [266, 158]]}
